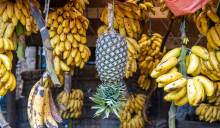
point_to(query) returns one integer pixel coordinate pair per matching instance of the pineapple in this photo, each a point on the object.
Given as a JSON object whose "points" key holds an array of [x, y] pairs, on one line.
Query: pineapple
{"points": [[111, 56]]}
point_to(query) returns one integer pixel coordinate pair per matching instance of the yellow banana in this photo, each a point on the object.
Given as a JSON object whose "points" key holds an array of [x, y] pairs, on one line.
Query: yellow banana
{"points": [[10, 9], [182, 101], [193, 63], [215, 36], [48, 119], [200, 96], [191, 92], [213, 16], [175, 95], [57, 65], [64, 67], [38, 103], [6, 61], [167, 64], [207, 85], [172, 53], [211, 41], [213, 60], [155, 73], [169, 77], [175, 85], [200, 51]]}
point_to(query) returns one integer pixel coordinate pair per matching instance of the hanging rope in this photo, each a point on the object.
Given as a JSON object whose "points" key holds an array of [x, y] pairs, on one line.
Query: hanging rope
{"points": [[111, 16]]}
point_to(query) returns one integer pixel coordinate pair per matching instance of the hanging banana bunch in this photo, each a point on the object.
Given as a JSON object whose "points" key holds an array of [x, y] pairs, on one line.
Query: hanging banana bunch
{"points": [[150, 56], [41, 109], [202, 19], [127, 23], [72, 104], [182, 90], [146, 7], [67, 31], [11, 14], [131, 114], [80, 5]]}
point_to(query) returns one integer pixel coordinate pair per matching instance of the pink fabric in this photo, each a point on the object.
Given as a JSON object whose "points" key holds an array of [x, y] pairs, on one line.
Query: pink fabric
{"points": [[183, 7]]}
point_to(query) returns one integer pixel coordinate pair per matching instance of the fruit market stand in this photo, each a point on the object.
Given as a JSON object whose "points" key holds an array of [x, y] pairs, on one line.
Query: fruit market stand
{"points": [[110, 63]]}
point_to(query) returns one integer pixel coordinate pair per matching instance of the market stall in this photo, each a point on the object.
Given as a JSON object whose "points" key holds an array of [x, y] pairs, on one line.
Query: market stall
{"points": [[109, 63]]}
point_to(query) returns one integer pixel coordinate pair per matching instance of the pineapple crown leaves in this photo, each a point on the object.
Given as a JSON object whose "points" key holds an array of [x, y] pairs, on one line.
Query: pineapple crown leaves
{"points": [[108, 99]]}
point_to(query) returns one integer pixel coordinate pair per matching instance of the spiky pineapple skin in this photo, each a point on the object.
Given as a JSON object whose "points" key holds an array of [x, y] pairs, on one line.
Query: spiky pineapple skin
{"points": [[111, 56]]}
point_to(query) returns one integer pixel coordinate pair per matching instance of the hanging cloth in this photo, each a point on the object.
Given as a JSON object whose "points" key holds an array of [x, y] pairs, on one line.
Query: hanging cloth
{"points": [[184, 7]]}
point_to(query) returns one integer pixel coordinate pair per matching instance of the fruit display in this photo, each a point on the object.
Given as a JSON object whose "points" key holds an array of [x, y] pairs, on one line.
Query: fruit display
{"points": [[41, 109], [182, 89], [127, 17], [67, 31], [131, 113], [150, 56], [70, 104]]}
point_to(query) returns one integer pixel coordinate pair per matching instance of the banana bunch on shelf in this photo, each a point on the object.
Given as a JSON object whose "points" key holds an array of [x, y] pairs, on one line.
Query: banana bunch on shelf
{"points": [[80, 5], [182, 89], [149, 57], [126, 20], [131, 113], [208, 113], [67, 31], [12, 13], [73, 103], [41, 108]]}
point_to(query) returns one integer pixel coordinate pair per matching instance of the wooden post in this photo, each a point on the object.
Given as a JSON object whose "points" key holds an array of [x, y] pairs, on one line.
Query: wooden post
{"points": [[46, 43]]}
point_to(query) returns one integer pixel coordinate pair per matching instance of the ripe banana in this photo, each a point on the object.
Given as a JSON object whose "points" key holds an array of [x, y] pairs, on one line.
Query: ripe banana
{"points": [[167, 64], [207, 85], [200, 51], [194, 62], [173, 86], [39, 107]]}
